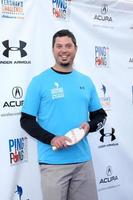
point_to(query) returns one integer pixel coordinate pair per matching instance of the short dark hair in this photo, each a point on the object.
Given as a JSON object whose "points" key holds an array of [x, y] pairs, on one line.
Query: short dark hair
{"points": [[62, 33]]}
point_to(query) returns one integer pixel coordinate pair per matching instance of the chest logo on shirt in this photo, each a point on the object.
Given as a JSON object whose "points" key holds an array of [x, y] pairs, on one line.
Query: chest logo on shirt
{"points": [[57, 91], [82, 87]]}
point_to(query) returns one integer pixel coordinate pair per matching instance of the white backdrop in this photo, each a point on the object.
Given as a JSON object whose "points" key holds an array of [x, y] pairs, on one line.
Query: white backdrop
{"points": [[104, 32]]}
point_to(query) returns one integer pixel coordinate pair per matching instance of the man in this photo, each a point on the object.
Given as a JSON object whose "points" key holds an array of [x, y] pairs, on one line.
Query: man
{"points": [[58, 100]]}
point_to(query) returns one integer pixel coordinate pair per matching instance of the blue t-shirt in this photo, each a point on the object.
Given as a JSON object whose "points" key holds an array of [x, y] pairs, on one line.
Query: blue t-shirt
{"points": [[61, 102]]}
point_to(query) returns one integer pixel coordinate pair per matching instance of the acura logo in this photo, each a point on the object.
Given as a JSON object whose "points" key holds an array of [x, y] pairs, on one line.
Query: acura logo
{"points": [[104, 9], [17, 92], [21, 47], [109, 171]]}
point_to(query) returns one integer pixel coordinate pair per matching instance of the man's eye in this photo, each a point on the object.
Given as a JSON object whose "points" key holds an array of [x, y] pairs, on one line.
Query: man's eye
{"points": [[69, 46], [59, 46]]}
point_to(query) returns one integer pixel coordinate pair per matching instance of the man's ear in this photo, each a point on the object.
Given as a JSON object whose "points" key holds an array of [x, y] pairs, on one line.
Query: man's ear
{"points": [[76, 47]]}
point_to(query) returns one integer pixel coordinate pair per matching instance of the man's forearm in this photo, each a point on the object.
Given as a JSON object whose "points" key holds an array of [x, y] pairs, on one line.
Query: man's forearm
{"points": [[30, 125], [97, 120]]}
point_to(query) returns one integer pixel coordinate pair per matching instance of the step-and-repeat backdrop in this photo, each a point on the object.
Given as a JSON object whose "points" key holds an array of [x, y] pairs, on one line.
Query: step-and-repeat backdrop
{"points": [[104, 32]]}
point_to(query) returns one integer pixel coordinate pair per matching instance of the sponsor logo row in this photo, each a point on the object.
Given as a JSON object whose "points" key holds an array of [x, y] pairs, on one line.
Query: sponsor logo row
{"points": [[9, 51], [18, 146], [11, 106], [15, 9], [60, 9], [18, 154], [109, 180]]}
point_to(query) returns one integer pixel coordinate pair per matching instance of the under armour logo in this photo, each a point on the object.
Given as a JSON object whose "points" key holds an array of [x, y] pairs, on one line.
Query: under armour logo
{"points": [[82, 87], [107, 135], [21, 47]]}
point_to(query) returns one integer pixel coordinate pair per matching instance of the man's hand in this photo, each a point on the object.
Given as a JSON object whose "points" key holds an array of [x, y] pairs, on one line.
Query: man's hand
{"points": [[60, 141], [86, 127]]}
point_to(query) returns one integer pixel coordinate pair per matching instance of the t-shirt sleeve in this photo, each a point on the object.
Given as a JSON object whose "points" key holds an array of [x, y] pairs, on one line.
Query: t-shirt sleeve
{"points": [[94, 100], [32, 98]]}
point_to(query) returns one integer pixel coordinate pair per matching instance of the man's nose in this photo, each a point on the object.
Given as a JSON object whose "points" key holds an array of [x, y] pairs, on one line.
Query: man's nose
{"points": [[64, 48]]}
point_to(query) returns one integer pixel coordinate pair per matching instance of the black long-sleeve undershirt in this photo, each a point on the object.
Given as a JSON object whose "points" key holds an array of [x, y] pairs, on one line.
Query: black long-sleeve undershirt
{"points": [[31, 126], [97, 120]]}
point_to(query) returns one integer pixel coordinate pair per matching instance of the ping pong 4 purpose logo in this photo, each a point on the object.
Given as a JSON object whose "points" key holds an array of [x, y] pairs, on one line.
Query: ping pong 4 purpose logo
{"points": [[61, 9], [18, 150], [101, 57]]}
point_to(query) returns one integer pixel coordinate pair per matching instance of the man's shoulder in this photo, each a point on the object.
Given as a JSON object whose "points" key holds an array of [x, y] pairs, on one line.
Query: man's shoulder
{"points": [[83, 75], [42, 75]]}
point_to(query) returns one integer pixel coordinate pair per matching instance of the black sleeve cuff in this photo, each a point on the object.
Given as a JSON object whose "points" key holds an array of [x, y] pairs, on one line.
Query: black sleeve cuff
{"points": [[97, 120]]}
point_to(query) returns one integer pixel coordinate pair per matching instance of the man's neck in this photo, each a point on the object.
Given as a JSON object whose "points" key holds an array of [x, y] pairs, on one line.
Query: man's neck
{"points": [[63, 69]]}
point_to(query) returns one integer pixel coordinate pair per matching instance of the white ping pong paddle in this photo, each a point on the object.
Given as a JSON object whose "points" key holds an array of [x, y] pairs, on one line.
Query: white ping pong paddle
{"points": [[75, 135]]}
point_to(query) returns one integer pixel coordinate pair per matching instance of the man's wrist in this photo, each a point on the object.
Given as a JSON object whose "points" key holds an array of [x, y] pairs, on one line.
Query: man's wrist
{"points": [[52, 140]]}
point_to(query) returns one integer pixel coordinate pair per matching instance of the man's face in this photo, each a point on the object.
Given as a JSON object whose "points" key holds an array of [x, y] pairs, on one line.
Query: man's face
{"points": [[64, 51]]}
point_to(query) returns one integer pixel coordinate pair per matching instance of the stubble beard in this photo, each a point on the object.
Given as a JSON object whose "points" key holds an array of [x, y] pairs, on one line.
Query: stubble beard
{"points": [[65, 65]]}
